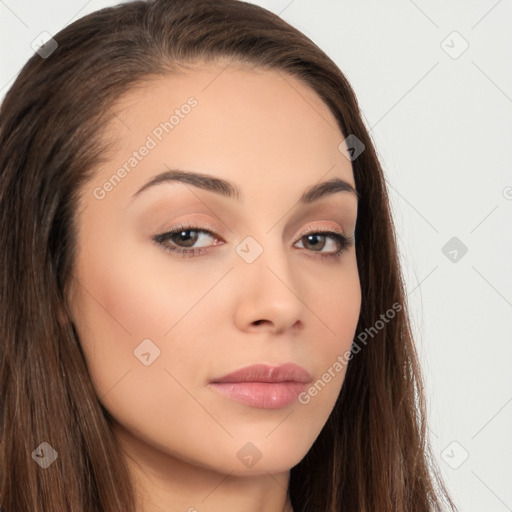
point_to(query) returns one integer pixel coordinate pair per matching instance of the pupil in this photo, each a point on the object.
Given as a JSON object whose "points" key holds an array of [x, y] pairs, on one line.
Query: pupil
{"points": [[309, 237], [183, 235]]}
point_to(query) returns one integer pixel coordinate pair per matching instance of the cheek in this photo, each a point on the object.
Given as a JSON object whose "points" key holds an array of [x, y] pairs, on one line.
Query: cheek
{"points": [[335, 310], [132, 296], [139, 331], [121, 302], [187, 312], [334, 304]]}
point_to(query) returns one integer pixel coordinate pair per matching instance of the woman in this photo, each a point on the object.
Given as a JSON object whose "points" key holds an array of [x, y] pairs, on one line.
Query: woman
{"points": [[202, 306]]}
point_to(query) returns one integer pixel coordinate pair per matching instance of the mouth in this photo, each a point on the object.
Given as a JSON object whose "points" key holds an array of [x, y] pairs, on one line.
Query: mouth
{"points": [[262, 386]]}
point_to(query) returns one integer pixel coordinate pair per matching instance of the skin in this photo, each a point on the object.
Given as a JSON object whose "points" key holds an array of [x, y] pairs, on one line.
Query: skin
{"points": [[214, 313]]}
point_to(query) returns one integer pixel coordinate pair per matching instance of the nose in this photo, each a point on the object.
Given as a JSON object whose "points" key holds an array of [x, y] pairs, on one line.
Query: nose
{"points": [[269, 293]]}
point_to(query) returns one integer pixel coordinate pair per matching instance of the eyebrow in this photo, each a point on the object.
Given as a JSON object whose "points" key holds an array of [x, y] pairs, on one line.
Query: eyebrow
{"points": [[230, 190]]}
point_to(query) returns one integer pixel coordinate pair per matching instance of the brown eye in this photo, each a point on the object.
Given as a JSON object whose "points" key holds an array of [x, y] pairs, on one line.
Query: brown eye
{"points": [[183, 237], [316, 241], [182, 240], [312, 242]]}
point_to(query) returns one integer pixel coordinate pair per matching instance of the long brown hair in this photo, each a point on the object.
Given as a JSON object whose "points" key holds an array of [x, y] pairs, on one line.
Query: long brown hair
{"points": [[373, 453]]}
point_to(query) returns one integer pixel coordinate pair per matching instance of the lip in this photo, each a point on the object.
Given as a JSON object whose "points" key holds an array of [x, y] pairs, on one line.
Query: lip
{"points": [[263, 386]]}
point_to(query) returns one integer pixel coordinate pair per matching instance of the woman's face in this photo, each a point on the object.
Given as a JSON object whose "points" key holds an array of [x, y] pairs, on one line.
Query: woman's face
{"points": [[157, 326]]}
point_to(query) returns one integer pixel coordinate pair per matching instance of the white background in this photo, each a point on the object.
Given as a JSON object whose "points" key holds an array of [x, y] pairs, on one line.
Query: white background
{"points": [[443, 130]]}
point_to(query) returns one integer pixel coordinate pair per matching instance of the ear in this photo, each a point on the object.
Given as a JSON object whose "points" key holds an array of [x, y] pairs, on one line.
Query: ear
{"points": [[63, 317]]}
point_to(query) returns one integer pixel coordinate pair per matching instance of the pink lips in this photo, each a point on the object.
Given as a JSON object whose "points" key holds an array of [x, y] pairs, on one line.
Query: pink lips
{"points": [[263, 386]]}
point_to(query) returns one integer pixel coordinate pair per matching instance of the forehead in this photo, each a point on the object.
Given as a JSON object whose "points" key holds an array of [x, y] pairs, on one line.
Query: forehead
{"points": [[245, 124]]}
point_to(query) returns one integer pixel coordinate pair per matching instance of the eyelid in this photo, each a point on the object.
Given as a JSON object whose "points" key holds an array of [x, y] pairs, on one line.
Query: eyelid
{"points": [[203, 226], [343, 241], [193, 225], [322, 229]]}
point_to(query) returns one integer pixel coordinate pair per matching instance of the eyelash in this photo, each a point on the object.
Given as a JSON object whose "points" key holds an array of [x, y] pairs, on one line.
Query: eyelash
{"points": [[160, 239]]}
